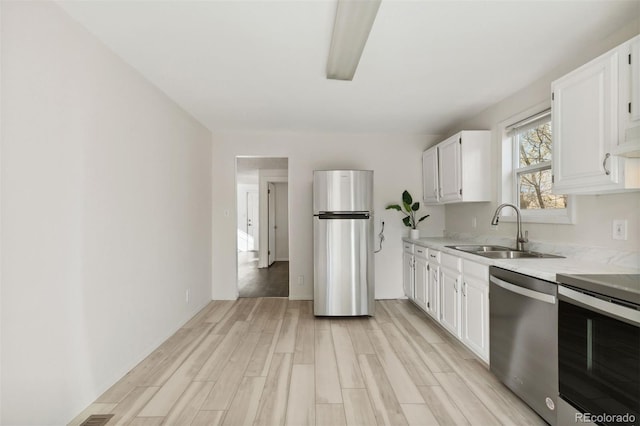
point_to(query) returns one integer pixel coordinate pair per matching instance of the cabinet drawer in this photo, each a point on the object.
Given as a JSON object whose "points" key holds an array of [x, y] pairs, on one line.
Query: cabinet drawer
{"points": [[451, 262], [420, 252], [408, 247], [434, 256], [476, 270]]}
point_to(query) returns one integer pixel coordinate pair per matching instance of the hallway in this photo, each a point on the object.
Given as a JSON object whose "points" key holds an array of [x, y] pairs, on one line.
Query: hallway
{"points": [[261, 282]]}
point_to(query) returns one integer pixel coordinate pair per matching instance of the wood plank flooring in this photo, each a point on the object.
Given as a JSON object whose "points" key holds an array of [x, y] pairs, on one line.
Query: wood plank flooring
{"points": [[269, 361]]}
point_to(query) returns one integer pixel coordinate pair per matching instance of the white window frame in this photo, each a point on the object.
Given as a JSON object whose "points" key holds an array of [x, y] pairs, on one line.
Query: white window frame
{"points": [[509, 182]]}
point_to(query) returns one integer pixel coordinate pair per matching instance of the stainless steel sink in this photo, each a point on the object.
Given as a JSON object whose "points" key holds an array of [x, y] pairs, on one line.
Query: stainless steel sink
{"points": [[479, 248], [501, 252], [514, 254]]}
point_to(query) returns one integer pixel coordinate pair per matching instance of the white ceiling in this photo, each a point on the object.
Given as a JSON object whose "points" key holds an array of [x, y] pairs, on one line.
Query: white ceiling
{"points": [[427, 64]]}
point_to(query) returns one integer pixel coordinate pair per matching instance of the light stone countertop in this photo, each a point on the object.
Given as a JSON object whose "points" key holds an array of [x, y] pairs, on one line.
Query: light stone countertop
{"points": [[545, 269]]}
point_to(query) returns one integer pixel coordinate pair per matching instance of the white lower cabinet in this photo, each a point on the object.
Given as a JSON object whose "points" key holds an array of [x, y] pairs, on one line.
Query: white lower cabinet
{"points": [[452, 290], [433, 284], [408, 275], [421, 276], [450, 282], [475, 308]]}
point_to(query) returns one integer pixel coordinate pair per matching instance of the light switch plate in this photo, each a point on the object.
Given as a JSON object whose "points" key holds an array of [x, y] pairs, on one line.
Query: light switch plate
{"points": [[619, 229]]}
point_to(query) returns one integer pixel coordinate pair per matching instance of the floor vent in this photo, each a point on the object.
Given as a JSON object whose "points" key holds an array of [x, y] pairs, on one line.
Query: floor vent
{"points": [[97, 420]]}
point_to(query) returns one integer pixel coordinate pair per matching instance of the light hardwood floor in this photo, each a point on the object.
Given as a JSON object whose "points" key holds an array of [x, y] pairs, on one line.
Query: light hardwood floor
{"points": [[269, 361]]}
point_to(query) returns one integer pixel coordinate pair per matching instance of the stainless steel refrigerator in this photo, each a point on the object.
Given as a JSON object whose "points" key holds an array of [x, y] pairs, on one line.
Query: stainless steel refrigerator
{"points": [[343, 243]]}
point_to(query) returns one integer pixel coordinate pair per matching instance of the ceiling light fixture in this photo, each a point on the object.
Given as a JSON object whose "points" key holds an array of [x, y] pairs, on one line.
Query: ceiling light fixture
{"points": [[354, 19]]}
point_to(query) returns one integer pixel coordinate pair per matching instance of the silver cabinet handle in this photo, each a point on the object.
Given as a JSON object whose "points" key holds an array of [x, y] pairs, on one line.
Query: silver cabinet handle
{"points": [[604, 164], [464, 290]]}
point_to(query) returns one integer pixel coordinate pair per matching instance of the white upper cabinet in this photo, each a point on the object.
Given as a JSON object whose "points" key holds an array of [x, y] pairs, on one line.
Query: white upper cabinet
{"points": [[430, 176], [586, 104], [449, 173], [458, 169], [629, 135]]}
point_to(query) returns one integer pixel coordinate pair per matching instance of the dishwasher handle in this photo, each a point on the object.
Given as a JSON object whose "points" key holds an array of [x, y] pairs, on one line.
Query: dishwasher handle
{"points": [[543, 297]]}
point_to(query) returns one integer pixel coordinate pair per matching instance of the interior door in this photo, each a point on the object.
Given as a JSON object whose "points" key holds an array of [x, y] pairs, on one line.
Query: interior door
{"points": [[252, 221], [271, 200]]}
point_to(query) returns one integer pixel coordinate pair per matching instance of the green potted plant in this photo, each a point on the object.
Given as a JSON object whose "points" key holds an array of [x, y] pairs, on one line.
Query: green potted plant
{"points": [[409, 209]]}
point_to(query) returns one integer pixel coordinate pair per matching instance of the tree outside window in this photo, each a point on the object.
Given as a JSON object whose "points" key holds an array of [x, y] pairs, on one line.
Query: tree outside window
{"points": [[532, 166]]}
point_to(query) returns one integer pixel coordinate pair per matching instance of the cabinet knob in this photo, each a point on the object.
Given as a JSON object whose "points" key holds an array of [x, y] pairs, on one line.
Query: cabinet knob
{"points": [[604, 164]]}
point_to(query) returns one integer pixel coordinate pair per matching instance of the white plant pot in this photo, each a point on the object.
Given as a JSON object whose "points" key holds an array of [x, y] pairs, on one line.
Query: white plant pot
{"points": [[414, 234]]}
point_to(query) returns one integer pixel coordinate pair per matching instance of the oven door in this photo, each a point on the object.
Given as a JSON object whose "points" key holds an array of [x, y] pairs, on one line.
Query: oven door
{"points": [[599, 357]]}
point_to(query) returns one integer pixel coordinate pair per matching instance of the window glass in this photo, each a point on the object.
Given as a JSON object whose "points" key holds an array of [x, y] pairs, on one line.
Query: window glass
{"points": [[533, 144], [535, 191]]}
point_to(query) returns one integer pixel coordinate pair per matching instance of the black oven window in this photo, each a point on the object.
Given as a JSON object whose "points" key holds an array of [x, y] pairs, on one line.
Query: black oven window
{"points": [[599, 364]]}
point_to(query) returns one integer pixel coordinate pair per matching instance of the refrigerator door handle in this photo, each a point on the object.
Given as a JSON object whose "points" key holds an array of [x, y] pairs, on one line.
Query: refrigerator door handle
{"points": [[333, 215]]}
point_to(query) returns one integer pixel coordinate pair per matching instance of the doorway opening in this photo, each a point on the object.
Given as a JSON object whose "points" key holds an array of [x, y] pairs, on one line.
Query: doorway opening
{"points": [[262, 194]]}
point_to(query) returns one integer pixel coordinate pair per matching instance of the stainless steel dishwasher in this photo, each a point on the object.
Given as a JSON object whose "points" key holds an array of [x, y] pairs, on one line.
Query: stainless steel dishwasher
{"points": [[523, 318]]}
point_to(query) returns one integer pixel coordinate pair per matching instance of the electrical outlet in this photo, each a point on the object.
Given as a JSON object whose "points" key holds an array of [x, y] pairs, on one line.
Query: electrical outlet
{"points": [[186, 296], [619, 229], [300, 279]]}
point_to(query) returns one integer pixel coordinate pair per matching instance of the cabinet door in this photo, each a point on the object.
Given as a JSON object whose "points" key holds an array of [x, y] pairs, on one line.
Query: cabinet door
{"points": [[449, 167], [433, 284], [407, 274], [450, 282], [629, 133], [430, 175], [475, 315], [633, 86], [585, 128], [420, 285]]}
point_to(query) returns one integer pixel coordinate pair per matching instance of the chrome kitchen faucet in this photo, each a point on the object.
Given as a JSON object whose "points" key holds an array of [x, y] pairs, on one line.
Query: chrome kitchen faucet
{"points": [[520, 240]]}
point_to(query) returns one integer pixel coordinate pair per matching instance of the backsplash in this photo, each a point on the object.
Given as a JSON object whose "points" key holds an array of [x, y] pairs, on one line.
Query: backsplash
{"points": [[626, 259]]}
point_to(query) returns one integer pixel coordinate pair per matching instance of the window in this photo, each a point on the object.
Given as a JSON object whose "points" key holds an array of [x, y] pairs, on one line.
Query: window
{"points": [[527, 173], [532, 144]]}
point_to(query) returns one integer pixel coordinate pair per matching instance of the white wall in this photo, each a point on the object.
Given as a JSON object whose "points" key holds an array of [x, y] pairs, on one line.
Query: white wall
{"points": [[282, 221], [594, 214], [396, 160], [106, 216]]}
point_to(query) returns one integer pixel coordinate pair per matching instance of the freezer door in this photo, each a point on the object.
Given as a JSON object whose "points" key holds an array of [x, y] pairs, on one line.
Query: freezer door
{"points": [[342, 190], [343, 267]]}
